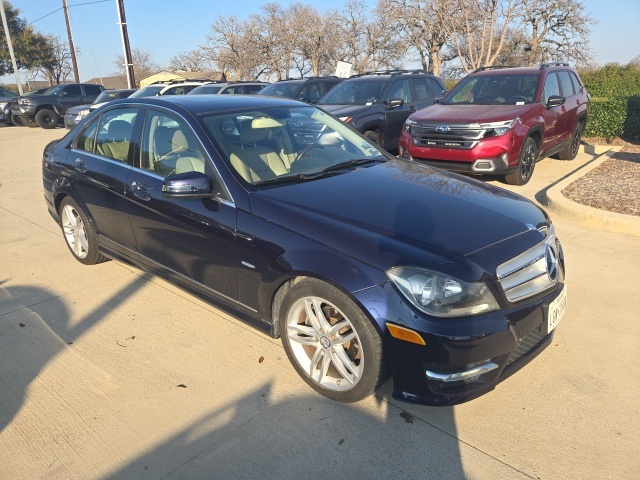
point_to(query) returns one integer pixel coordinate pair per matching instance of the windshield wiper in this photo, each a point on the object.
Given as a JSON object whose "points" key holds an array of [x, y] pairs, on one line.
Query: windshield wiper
{"points": [[352, 164], [298, 177]]}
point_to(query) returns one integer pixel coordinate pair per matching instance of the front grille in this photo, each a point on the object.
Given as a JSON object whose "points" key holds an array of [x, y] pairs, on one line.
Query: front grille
{"points": [[530, 341], [532, 272], [462, 137]]}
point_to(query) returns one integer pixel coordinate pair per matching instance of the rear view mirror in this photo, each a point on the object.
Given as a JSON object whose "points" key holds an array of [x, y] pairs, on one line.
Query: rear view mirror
{"points": [[555, 101], [396, 102]]}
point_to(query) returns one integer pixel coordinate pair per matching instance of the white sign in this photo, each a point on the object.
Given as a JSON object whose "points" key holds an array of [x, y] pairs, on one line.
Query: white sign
{"points": [[343, 70]]}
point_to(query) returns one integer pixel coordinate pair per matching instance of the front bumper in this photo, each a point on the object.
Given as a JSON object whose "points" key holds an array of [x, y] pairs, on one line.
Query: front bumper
{"points": [[463, 357], [72, 119]]}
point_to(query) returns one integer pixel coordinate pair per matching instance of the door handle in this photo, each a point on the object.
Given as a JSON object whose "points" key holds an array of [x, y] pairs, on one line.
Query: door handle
{"points": [[80, 166], [140, 191]]}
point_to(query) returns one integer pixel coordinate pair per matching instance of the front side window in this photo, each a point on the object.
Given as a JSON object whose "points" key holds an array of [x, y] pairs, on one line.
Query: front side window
{"points": [[280, 89], [72, 91], [287, 144], [551, 87], [115, 132], [168, 147], [401, 89]]}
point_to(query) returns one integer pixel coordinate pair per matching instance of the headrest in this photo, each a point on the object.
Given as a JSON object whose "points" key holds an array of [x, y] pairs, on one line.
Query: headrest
{"points": [[119, 130]]}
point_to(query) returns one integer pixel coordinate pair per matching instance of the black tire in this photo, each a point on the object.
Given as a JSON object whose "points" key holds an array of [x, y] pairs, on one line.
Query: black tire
{"points": [[29, 122], [526, 163], [375, 136], [48, 119], [79, 234], [17, 121], [570, 150], [318, 354]]}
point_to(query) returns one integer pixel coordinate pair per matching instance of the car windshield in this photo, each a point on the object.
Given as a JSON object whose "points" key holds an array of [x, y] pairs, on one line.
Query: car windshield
{"points": [[288, 144], [281, 89], [496, 89], [148, 91], [54, 90], [354, 92], [205, 89], [107, 96]]}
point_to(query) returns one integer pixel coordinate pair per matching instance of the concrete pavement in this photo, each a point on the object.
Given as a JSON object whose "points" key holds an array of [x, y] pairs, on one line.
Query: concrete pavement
{"points": [[106, 372]]}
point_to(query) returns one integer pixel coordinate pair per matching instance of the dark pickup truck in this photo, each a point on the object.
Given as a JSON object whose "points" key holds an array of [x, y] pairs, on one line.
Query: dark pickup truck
{"points": [[46, 110]]}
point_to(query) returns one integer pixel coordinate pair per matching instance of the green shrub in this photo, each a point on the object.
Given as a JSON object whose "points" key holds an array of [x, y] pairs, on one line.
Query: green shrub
{"points": [[612, 81], [617, 116]]}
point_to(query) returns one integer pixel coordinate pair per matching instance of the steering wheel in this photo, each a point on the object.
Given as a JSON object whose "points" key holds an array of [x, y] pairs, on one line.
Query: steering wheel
{"points": [[306, 150], [518, 98]]}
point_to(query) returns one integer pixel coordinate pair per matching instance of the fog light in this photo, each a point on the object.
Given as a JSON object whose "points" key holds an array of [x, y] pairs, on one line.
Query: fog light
{"points": [[402, 333], [483, 165], [505, 159]]}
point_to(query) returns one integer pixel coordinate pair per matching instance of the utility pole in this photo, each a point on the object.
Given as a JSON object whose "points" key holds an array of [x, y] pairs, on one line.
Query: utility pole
{"points": [[71, 47], [10, 45], [128, 60]]}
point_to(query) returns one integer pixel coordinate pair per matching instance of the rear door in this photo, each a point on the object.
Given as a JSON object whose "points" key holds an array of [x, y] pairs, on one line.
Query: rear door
{"points": [[554, 117], [190, 239], [98, 165], [571, 104]]}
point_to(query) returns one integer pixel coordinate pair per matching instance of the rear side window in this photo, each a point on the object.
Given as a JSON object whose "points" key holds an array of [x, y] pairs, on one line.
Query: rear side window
{"points": [[250, 89], [86, 140], [312, 92], [576, 83], [551, 87], [73, 91], [92, 90], [567, 85], [115, 132]]}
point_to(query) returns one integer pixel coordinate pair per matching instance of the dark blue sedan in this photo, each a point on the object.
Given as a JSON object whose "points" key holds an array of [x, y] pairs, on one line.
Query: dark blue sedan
{"points": [[366, 265]]}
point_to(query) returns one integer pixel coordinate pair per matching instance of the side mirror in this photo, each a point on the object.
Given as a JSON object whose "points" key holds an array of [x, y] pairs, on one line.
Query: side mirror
{"points": [[555, 101], [188, 185], [396, 102]]}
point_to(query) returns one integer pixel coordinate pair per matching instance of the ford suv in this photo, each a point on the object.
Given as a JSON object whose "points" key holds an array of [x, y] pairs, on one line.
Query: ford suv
{"points": [[501, 121]]}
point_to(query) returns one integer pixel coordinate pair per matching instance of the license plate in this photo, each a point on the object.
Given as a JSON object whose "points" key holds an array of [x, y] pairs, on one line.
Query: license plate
{"points": [[556, 310]]}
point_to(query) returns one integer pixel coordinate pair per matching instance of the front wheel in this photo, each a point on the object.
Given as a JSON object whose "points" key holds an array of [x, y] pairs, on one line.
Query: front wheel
{"points": [[17, 121], [526, 163], [46, 118], [374, 136], [330, 342], [79, 233]]}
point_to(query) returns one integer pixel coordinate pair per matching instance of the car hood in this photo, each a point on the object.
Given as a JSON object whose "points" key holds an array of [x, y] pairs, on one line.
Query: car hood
{"points": [[77, 109], [344, 110], [404, 213], [440, 113]]}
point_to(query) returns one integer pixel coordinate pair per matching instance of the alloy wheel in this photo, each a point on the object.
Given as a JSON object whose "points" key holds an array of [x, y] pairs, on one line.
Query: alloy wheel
{"points": [[74, 231]]}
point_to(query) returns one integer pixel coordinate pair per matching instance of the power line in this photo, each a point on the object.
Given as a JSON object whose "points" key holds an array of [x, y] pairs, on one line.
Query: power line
{"points": [[74, 5]]}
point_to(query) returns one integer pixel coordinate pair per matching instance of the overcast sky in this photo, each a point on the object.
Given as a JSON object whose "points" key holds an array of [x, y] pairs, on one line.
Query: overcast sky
{"points": [[165, 28]]}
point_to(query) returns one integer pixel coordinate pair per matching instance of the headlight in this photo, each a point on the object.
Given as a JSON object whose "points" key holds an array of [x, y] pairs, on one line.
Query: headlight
{"points": [[84, 112], [3, 104], [408, 124], [346, 119], [24, 101], [497, 129], [441, 295]]}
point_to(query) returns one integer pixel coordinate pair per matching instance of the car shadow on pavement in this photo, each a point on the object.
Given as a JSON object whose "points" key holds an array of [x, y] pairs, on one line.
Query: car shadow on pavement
{"points": [[260, 436], [35, 327]]}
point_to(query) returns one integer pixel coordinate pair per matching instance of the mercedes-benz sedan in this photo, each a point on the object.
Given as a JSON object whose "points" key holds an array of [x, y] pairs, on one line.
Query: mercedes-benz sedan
{"points": [[364, 264]]}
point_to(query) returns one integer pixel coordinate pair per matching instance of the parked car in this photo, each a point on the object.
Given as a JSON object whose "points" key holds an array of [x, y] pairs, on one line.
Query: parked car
{"points": [[501, 122], [378, 103], [234, 88], [47, 109], [75, 114], [361, 262], [173, 87], [5, 105], [309, 89]]}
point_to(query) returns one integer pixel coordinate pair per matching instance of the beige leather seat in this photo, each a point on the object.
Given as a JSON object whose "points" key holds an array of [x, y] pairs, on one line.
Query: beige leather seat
{"points": [[117, 142], [255, 162]]}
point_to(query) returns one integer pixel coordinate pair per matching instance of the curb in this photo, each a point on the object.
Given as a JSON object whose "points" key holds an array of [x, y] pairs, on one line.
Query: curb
{"points": [[590, 216]]}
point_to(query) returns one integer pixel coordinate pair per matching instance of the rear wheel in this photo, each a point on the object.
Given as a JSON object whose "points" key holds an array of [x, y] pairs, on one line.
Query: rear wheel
{"points": [[79, 233], [570, 151], [46, 118], [526, 163], [330, 342]]}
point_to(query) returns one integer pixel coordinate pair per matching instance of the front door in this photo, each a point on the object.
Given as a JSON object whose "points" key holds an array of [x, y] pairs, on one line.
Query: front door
{"points": [[190, 239]]}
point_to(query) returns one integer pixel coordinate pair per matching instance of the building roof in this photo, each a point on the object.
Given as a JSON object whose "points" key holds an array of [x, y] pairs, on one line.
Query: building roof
{"points": [[118, 81]]}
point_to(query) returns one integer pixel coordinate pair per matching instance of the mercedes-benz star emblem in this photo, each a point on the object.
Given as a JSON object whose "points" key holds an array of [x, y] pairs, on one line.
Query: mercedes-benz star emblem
{"points": [[552, 264], [442, 129]]}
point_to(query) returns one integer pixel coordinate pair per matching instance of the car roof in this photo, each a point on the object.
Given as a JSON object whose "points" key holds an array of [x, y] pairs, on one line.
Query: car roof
{"points": [[213, 103]]}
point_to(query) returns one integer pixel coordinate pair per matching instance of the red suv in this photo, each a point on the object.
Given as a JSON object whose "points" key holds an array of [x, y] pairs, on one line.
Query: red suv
{"points": [[500, 121]]}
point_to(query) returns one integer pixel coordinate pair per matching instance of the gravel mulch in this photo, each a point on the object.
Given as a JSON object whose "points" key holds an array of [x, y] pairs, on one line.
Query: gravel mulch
{"points": [[613, 186]]}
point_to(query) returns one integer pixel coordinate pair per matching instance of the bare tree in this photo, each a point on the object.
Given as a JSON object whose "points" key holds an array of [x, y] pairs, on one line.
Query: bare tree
{"points": [[143, 65], [420, 22], [56, 62], [478, 29], [367, 42], [318, 37], [195, 60], [558, 30], [232, 48], [277, 38]]}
